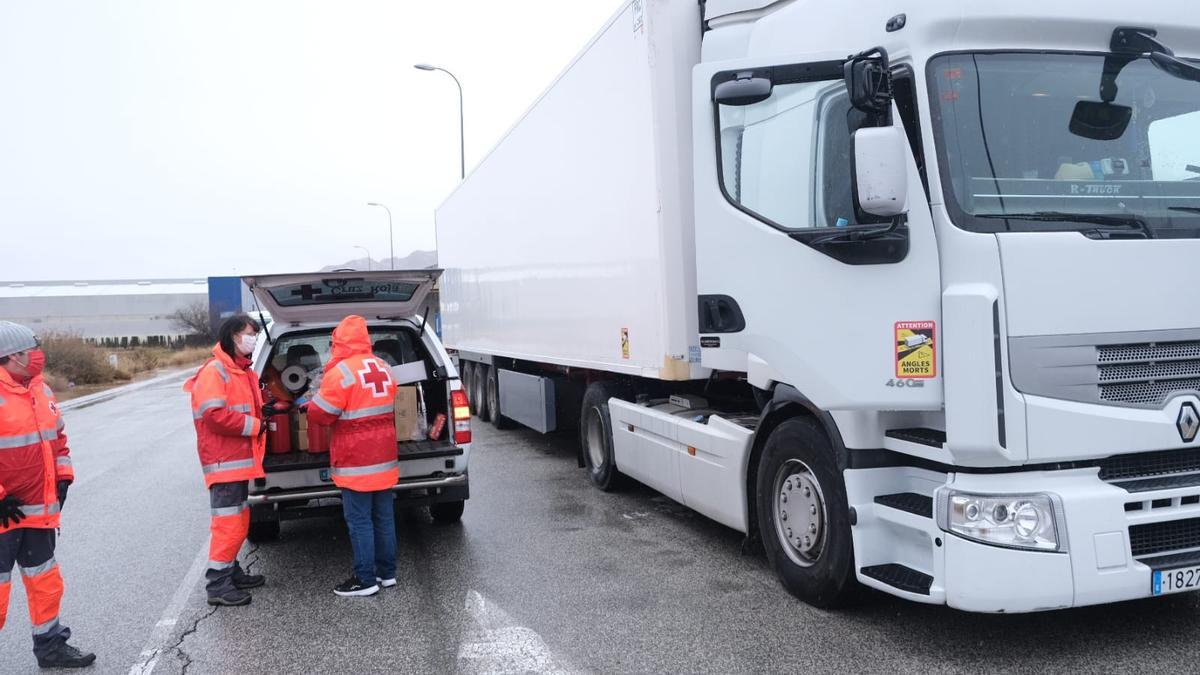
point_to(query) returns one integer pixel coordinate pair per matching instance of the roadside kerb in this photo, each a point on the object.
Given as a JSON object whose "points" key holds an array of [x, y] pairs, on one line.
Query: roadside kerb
{"points": [[109, 394]]}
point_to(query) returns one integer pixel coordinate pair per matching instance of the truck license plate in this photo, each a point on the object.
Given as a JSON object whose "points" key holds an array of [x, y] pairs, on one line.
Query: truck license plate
{"points": [[1175, 581]]}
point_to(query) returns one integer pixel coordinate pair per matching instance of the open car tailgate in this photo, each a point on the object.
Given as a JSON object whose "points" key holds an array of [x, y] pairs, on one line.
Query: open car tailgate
{"points": [[332, 296]]}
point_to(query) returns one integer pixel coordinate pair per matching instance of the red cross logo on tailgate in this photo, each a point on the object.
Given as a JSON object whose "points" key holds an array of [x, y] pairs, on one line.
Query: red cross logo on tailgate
{"points": [[375, 378]]}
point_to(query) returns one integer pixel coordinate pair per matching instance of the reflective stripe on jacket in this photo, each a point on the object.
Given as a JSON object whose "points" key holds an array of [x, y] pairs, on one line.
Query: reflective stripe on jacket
{"points": [[226, 409], [357, 398], [33, 450]]}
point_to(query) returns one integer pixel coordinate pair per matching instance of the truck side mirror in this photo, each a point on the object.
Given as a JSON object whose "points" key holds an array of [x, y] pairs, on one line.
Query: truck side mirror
{"points": [[746, 89], [880, 171]]}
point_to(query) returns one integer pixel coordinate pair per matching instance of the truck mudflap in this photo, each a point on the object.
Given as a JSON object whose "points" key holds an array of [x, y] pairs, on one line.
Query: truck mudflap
{"points": [[457, 483]]}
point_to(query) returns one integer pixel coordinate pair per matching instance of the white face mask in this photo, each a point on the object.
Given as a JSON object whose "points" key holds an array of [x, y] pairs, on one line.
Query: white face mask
{"points": [[247, 343]]}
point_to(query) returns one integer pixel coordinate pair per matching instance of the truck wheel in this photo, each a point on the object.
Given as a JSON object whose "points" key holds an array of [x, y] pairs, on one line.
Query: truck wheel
{"points": [[493, 400], [266, 530], [803, 515], [479, 392], [446, 513], [467, 375], [595, 436]]}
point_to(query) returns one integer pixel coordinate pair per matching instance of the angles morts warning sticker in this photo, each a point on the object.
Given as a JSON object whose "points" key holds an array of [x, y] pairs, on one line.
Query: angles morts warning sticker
{"points": [[916, 349]]}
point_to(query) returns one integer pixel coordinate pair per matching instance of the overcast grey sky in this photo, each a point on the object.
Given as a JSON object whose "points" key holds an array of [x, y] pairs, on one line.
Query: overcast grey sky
{"points": [[165, 138]]}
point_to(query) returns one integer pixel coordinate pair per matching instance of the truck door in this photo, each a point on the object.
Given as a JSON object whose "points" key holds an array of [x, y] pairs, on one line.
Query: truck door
{"points": [[796, 285]]}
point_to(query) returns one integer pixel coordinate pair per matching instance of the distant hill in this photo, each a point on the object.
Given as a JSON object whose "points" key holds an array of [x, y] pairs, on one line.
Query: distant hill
{"points": [[413, 261]]}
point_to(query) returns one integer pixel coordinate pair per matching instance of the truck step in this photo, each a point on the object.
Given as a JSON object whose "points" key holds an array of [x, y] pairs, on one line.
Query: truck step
{"points": [[900, 577], [934, 438], [910, 502]]}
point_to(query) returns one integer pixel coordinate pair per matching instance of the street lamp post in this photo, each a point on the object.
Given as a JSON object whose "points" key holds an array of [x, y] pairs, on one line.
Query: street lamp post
{"points": [[462, 151], [364, 249], [391, 248]]}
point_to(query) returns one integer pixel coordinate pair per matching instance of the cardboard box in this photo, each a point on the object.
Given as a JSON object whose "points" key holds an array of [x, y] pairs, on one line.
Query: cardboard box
{"points": [[406, 413], [301, 436]]}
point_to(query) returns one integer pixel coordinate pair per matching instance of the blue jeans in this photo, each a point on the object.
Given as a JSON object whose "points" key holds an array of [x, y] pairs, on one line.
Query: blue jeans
{"points": [[372, 524]]}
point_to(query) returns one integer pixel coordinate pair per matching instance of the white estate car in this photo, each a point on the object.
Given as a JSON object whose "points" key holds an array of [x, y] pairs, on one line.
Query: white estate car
{"points": [[292, 353]]}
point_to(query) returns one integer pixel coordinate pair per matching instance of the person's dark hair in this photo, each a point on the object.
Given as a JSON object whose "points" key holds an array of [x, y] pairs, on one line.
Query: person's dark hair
{"points": [[232, 326], [4, 360]]}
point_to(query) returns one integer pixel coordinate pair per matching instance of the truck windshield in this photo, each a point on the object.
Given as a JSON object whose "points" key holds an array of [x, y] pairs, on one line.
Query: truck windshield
{"points": [[1010, 162]]}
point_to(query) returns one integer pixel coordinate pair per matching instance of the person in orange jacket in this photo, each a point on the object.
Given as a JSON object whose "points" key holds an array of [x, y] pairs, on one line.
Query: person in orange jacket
{"points": [[35, 472], [357, 398], [227, 409]]}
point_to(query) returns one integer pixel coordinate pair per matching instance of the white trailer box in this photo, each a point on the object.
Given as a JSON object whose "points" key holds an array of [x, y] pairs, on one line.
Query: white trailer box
{"points": [[572, 242]]}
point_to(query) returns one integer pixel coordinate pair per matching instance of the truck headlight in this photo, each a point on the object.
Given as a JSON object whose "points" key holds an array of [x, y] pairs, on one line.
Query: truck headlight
{"points": [[1032, 521]]}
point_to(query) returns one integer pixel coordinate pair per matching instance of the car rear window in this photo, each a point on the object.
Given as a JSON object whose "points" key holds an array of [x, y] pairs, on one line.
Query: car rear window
{"points": [[310, 350], [335, 291]]}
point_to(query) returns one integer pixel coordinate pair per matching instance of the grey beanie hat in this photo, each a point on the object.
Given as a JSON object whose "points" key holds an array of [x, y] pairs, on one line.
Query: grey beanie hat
{"points": [[15, 338]]}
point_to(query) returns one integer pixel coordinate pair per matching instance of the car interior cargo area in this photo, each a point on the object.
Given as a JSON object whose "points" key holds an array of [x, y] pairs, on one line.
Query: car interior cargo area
{"points": [[293, 376]]}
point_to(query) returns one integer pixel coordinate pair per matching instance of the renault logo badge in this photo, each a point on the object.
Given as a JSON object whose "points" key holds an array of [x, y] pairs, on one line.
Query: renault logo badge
{"points": [[1188, 422]]}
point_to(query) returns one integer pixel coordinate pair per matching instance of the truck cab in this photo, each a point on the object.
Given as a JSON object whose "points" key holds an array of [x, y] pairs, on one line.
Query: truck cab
{"points": [[432, 411], [1005, 362]]}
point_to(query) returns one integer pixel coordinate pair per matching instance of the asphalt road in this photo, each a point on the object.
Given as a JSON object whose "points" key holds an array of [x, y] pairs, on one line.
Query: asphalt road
{"points": [[545, 574]]}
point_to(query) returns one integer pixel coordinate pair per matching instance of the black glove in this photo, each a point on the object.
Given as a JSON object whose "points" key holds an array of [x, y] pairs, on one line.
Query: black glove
{"points": [[273, 408], [10, 509], [62, 492]]}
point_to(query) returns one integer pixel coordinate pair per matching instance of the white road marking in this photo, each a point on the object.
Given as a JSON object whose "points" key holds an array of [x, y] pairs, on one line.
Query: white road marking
{"points": [[493, 643], [161, 635]]}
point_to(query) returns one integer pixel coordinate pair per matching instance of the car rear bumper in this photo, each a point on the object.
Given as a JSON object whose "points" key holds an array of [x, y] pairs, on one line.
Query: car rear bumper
{"points": [[404, 485]]}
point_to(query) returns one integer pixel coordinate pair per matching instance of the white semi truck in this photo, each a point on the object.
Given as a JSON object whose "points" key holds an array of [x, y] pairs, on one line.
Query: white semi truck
{"points": [[923, 318]]}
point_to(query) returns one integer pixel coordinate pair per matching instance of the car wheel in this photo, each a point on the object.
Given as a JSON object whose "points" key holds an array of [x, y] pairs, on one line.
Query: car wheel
{"points": [[446, 513], [263, 531]]}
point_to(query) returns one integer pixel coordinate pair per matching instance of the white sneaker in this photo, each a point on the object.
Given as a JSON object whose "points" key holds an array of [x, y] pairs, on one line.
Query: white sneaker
{"points": [[386, 583]]}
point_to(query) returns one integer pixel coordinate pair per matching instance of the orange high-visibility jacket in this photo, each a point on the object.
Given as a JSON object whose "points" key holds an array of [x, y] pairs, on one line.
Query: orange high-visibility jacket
{"points": [[357, 397], [33, 450], [227, 409]]}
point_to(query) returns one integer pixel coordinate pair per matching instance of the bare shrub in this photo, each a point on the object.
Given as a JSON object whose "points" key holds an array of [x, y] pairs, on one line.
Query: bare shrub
{"points": [[193, 319], [72, 359], [147, 358]]}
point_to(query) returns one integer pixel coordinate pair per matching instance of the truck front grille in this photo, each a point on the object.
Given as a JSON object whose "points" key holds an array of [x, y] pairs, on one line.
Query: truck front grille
{"points": [[1144, 374], [1145, 393], [1150, 351], [1122, 369], [1167, 537], [1150, 464]]}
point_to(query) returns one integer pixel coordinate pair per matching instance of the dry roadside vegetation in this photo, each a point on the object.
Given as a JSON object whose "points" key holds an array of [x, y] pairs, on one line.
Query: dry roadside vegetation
{"points": [[75, 367]]}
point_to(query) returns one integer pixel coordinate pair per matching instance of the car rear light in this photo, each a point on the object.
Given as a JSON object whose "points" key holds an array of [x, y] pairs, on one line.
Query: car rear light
{"points": [[461, 413]]}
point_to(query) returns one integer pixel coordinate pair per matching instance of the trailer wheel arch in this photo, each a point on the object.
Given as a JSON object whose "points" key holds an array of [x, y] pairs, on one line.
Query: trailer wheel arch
{"points": [[786, 403]]}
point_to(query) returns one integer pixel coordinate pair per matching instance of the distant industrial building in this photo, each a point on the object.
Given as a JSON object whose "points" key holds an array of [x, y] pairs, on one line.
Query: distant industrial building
{"points": [[118, 311], [100, 310]]}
